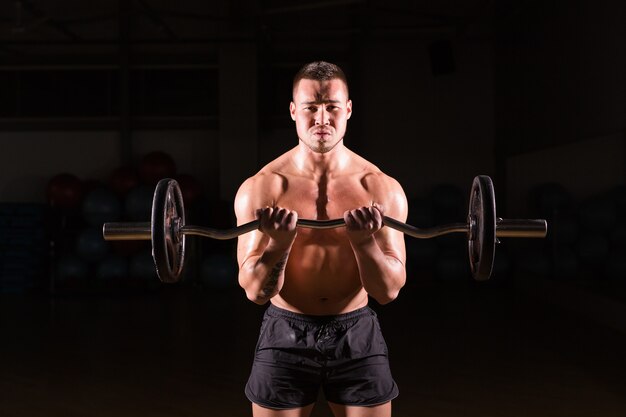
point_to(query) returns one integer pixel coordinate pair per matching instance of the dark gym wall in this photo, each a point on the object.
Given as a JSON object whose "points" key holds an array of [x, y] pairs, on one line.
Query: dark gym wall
{"points": [[426, 128], [525, 91], [560, 97], [419, 127], [31, 158], [560, 74]]}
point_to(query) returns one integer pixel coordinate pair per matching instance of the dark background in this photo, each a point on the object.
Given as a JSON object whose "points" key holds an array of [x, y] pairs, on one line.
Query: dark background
{"points": [[531, 93]]}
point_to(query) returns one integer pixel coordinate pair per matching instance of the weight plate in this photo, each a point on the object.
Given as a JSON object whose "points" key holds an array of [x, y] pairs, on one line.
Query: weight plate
{"points": [[482, 224], [168, 218]]}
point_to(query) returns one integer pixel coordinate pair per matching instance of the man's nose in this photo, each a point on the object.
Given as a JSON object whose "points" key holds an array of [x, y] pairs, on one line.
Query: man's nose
{"points": [[321, 118]]}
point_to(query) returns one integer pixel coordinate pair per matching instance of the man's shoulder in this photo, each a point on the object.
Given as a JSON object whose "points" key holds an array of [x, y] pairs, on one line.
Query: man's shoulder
{"points": [[372, 176], [385, 190], [378, 180], [267, 182], [259, 190], [261, 179]]}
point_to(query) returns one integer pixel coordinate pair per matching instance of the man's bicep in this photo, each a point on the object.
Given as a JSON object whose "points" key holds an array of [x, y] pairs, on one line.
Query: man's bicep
{"points": [[392, 241], [244, 213], [397, 201], [244, 202], [250, 245]]}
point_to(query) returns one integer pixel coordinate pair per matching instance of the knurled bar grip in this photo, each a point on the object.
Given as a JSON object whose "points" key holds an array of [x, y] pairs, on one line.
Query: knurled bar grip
{"points": [[525, 228]]}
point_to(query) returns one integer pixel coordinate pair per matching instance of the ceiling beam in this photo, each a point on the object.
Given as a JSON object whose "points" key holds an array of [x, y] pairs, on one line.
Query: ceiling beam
{"points": [[30, 7], [157, 19], [310, 6]]}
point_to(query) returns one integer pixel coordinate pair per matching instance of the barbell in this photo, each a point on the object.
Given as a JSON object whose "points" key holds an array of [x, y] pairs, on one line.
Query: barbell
{"points": [[167, 229]]}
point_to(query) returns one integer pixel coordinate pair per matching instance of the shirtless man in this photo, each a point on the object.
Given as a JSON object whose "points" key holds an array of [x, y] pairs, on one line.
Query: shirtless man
{"points": [[318, 330]]}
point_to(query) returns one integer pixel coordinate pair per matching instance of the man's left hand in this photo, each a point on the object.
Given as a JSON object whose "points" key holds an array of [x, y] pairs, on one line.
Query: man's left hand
{"points": [[362, 223]]}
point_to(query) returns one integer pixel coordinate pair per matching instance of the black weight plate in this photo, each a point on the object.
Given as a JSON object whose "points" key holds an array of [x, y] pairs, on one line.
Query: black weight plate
{"points": [[168, 217], [482, 221]]}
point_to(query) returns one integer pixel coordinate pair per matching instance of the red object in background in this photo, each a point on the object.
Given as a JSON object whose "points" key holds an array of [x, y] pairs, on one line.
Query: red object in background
{"points": [[64, 191], [190, 187], [123, 179], [155, 166]]}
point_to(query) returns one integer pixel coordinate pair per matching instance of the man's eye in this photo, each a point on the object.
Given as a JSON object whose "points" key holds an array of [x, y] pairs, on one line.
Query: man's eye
{"points": [[331, 108], [310, 108]]}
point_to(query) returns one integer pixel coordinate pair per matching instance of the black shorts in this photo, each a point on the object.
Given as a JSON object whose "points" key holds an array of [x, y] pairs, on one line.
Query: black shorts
{"points": [[343, 354]]}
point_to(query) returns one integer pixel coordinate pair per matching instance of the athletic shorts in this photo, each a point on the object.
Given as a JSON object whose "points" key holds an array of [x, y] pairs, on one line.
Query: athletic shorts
{"points": [[297, 354]]}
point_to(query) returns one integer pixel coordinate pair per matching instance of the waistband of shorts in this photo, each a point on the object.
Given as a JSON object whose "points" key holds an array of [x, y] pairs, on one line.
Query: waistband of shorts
{"points": [[274, 311]]}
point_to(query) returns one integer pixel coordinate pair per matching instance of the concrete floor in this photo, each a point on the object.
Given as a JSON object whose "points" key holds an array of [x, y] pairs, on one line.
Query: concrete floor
{"points": [[456, 350]]}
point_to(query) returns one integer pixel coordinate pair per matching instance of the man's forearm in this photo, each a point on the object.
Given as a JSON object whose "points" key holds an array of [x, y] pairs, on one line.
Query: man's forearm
{"points": [[263, 277], [382, 275]]}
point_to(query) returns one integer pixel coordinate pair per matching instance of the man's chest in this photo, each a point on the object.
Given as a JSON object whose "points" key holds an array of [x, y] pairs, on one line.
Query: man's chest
{"points": [[325, 199]]}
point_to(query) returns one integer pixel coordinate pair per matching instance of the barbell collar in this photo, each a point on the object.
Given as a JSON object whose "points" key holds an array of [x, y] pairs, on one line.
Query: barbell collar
{"points": [[528, 228], [127, 231]]}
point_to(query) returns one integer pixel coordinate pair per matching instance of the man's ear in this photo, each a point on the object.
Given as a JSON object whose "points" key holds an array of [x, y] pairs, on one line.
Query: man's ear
{"points": [[292, 110], [349, 108]]}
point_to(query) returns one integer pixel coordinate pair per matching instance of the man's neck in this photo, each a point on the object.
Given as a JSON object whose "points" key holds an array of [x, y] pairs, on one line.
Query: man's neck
{"points": [[319, 164]]}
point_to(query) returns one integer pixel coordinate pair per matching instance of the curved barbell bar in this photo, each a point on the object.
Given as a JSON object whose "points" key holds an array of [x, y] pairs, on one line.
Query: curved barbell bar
{"points": [[527, 228]]}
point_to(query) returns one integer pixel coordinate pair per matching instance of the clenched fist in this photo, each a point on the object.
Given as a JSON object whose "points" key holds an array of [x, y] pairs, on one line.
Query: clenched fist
{"points": [[278, 223], [361, 223]]}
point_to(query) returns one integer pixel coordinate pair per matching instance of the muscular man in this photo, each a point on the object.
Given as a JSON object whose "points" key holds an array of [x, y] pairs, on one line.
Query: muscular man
{"points": [[318, 331]]}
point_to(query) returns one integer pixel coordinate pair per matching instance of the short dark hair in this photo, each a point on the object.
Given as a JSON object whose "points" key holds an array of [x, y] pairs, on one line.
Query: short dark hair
{"points": [[320, 71]]}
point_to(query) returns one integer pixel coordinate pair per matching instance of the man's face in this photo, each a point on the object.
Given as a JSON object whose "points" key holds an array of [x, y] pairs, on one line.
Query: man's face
{"points": [[321, 110]]}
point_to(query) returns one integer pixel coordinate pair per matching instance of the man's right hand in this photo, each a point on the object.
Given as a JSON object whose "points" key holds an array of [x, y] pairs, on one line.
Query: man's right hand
{"points": [[279, 224]]}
